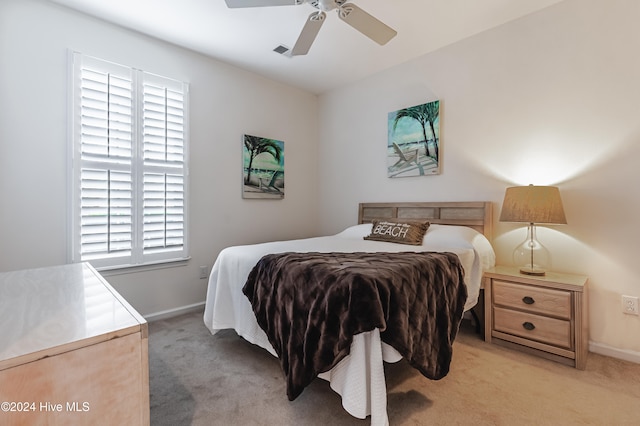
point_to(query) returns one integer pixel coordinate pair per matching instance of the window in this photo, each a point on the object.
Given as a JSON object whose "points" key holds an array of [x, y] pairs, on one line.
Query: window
{"points": [[129, 156]]}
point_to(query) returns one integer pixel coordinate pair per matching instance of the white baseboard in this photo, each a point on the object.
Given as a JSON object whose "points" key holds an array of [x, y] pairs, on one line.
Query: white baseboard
{"points": [[156, 316], [602, 349]]}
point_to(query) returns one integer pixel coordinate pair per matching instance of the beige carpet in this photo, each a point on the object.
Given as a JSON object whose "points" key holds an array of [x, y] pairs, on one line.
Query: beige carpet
{"points": [[199, 379]]}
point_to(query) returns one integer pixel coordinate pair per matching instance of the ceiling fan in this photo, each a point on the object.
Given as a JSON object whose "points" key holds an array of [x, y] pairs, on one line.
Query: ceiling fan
{"points": [[348, 12]]}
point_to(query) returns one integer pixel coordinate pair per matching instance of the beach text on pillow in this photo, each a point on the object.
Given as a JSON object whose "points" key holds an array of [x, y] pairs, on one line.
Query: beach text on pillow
{"points": [[405, 232]]}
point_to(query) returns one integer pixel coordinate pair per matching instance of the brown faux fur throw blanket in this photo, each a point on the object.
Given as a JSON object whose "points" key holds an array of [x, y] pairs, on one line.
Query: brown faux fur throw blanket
{"points": [[312, 304]]}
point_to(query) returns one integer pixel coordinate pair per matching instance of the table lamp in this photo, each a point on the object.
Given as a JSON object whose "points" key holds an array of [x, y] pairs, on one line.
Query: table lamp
{"points": [[532, 204]]}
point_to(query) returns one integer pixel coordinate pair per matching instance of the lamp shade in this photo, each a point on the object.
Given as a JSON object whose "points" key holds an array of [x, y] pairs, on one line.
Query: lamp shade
{"points": [[533, 204]]}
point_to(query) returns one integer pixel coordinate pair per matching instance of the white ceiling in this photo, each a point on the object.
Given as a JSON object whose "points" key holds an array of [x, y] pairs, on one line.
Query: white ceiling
{"points": [[246, 37]]}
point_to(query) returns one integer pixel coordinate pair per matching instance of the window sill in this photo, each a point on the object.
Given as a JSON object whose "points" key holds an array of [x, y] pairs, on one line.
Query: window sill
{"points": [[108, 271]]}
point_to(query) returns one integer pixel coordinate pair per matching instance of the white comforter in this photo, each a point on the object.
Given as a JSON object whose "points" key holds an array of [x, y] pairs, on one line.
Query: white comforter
{"points": [[358, 378]]}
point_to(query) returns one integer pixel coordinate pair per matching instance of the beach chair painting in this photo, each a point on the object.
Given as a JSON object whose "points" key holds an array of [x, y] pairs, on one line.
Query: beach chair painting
{"points": [[263, 168], [413, 141]]}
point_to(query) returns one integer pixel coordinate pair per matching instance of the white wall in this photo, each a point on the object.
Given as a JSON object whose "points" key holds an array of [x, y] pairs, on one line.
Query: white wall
{"points": [[550, 99], [225, 103]]}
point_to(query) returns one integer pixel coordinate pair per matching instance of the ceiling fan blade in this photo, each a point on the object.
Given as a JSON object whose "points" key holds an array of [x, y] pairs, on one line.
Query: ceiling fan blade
{"points": [[373, 28], [258, 3], [308, 34]]}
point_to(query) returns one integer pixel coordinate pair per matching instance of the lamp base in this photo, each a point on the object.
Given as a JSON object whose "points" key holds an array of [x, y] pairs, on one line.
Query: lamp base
{"points": [[532, 257], [529, 270]]}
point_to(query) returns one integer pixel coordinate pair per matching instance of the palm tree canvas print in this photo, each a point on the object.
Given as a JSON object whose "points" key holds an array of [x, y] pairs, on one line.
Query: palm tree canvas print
{"points": [[413, 147], [263, 168]]}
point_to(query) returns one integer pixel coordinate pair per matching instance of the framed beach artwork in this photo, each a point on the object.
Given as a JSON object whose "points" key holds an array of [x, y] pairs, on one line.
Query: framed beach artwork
{"points": [[263, 168], [413, 141]]}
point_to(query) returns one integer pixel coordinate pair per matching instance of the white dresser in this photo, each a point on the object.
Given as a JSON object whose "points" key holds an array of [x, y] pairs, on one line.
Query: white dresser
{"points": [[72, 350]]}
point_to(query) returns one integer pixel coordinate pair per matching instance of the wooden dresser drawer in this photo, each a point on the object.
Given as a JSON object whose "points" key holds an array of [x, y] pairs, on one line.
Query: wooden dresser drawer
{"points": [[546, 301], [552, 331]]}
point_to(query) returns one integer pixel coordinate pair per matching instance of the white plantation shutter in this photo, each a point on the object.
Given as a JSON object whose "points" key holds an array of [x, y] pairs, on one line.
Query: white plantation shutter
{"points": [[163, 152], [129, 165], [106, 213], [163, 211]]}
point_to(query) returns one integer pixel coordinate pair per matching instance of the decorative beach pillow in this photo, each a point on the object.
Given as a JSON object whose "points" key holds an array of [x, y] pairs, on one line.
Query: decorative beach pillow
{"points": [[405, 232]]}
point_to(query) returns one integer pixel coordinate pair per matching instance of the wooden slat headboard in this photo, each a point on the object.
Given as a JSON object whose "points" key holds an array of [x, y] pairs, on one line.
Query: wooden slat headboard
{"points": [[475, 214]]}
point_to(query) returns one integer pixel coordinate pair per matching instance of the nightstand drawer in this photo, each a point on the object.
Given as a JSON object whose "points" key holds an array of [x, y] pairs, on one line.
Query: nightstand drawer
{"points": [[540, 300], [533, 327]]}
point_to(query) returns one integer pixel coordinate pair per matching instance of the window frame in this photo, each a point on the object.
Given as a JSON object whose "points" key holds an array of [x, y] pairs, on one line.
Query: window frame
{"points": [[135, 165]]}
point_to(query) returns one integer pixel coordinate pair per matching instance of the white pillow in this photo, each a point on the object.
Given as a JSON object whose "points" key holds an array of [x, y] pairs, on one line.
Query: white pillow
{"points": [[356, 231], [439, 237]]}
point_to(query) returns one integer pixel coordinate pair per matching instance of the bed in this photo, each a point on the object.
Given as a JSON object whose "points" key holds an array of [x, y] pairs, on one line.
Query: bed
{"points": [[462, 228]]}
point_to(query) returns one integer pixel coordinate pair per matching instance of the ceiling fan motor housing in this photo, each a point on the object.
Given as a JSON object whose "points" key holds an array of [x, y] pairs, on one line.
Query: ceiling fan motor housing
{"points": [[327, 5]]}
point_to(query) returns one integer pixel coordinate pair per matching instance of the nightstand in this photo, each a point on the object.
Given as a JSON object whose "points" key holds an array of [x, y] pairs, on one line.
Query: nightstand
{"points": [[543, 315]]}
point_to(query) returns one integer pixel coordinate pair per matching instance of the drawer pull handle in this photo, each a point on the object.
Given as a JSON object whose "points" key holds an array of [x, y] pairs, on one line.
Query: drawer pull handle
{"points": [[528, 300], [529, 326]]}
